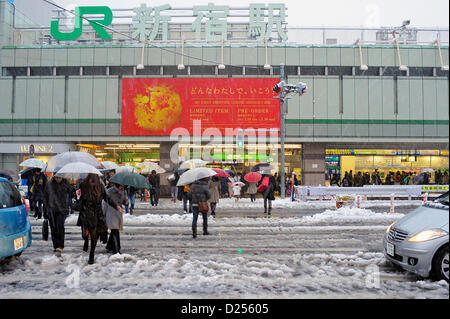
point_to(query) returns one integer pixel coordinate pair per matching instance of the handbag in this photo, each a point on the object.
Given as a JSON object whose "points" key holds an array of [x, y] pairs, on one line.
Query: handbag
{"points": [[203, 207], [264, 184], [45, 230]]}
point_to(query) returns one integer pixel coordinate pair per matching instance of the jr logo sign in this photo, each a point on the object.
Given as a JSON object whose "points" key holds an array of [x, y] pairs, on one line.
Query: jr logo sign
{"points": [[98, 25]]}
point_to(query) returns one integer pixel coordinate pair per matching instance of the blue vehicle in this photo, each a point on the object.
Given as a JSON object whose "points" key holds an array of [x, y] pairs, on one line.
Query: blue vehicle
{"points": [[15, 229]]}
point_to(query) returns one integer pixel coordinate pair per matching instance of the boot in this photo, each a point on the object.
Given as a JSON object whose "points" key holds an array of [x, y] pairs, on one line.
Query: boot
{"points": [[86, 244], [91, 258], [205, 230], [194, 232], [265, 211], [268, 213], [213, 214]]}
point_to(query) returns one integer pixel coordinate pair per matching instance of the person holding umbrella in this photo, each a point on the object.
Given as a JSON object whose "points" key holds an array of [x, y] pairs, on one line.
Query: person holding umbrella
{"points": [[199, 192], [56, 195], [38, 182], [252, 179], [114, 216], [267, 187], [91, 218]]}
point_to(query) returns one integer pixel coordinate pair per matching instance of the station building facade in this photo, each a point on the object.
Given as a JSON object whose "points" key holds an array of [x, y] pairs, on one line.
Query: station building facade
{"points": [[71, 95]]}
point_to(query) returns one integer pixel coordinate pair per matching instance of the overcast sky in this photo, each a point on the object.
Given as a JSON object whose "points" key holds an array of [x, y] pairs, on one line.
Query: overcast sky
{"points": [[360, 13]]}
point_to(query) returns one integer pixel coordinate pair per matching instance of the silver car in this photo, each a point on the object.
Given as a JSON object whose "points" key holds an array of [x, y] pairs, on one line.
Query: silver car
{"points": [[418, 242]]}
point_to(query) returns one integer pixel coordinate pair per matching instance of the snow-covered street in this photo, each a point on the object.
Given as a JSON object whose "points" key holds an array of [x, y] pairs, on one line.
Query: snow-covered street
{"points": [[335, 253]]}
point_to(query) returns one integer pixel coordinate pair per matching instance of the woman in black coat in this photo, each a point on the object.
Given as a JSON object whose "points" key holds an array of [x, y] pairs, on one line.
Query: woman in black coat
{"points": [[91, 218], [269, 192]]}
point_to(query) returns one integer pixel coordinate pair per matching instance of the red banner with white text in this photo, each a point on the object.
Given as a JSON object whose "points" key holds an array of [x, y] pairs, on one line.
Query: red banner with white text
{"points": [[157, 106]]}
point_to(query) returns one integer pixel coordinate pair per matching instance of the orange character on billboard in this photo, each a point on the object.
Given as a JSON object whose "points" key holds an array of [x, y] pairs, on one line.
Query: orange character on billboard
{"points": [[159, 109]]}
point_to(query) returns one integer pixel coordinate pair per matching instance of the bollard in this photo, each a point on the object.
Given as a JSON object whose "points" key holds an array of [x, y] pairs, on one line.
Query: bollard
{"points": [[392, 203], [425, 198], [358, 201]]}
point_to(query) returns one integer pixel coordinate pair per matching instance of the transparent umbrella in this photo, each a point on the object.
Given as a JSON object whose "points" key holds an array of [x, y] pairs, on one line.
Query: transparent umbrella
{"points": [[110, 165], [55, 163], [33, 162], [128, 169], [195, 174], [153, 167], [193, 163], [77, 170]]}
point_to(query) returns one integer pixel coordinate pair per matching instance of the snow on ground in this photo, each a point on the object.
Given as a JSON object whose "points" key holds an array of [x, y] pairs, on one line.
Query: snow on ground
{"points": [[176, 267], [245, 203]]}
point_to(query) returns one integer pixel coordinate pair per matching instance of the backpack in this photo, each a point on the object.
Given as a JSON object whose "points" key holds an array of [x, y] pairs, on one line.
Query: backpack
{"points": [[264, 184]]}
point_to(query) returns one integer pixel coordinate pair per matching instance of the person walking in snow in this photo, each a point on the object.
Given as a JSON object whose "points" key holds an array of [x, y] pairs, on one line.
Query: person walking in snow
{"points": [[114, 216], [266, 186], [214, 185], [56, 197], [199, 192], [91, 218], [252, 190]]}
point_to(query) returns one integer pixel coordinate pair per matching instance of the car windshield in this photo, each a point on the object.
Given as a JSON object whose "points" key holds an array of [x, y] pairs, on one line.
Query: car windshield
{"points": [[443, 199], [9, 195]]}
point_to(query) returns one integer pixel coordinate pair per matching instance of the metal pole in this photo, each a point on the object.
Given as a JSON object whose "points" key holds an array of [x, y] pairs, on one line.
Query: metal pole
{"points": [[283, 131]]}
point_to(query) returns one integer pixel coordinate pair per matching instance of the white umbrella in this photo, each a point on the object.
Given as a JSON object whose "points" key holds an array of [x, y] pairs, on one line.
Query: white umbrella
{"points": [[110, 165], [33, 162], [427, 170], [55, 163], [238, 184], [77, 170], [193, 163], [130, 169], [195, 174], [144, 164], [155, 167]]}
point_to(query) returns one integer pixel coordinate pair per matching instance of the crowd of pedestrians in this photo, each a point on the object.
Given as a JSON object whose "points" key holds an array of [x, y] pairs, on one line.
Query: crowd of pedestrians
{"points": [[391, 178]]}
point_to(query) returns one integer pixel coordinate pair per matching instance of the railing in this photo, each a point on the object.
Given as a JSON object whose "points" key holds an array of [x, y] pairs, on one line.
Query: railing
{"points": [[296, 36], [303, 192]]}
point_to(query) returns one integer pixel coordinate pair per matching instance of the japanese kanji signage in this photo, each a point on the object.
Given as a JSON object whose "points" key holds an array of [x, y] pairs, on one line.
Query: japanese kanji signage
{"points": [[210, 22], [156, 106]]}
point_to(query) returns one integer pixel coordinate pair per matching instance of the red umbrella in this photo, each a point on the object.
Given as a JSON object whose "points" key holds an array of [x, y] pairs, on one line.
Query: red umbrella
{"points": [[221, 172], [253, 177]]}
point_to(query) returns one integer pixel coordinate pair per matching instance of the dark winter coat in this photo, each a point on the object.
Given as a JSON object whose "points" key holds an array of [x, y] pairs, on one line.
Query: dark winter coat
{"points": [[56, 195], [38, 185], [199, 192], [91, 215], [269, 193]]}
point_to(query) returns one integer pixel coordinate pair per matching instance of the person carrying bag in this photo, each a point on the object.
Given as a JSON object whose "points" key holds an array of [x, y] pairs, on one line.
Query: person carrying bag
{"points": [[200, 194]]}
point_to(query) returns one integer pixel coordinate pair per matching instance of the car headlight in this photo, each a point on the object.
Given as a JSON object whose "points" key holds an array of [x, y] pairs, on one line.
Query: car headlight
{"points": [[428, 235], [389, 228]]}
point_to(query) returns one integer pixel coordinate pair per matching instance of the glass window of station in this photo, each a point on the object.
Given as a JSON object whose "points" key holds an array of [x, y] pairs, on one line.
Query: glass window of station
{"points": [[386, 162]]}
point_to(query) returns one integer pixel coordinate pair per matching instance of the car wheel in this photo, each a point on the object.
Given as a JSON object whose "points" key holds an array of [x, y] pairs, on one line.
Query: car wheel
{"points": [[18, 255], [440, 267]]}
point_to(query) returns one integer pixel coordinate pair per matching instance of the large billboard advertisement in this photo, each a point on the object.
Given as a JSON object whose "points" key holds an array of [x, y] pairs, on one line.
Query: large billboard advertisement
{"points": [[157, 106]]}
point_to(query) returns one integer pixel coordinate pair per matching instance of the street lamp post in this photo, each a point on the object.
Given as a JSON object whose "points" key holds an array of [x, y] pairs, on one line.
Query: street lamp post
{"points": [[283, 90]]}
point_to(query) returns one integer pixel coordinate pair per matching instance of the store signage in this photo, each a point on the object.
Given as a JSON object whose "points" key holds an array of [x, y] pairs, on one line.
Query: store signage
{"points": [[203, 106], [210, 21], [37, 148], [383, 152], [98, 25]]}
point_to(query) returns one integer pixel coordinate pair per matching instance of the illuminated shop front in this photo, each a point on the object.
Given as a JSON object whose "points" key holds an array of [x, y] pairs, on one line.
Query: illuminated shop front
{"points": [[123, 153], [339, 161]]}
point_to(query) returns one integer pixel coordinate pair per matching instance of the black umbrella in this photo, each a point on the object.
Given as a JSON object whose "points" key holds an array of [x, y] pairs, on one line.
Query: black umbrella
{"points": [[6, 175], [130, 179], [25, 173], [262, 167]]}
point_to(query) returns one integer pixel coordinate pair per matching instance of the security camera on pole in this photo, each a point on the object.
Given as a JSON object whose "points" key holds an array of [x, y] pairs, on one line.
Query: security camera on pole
{"points": [[283, 89]]}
